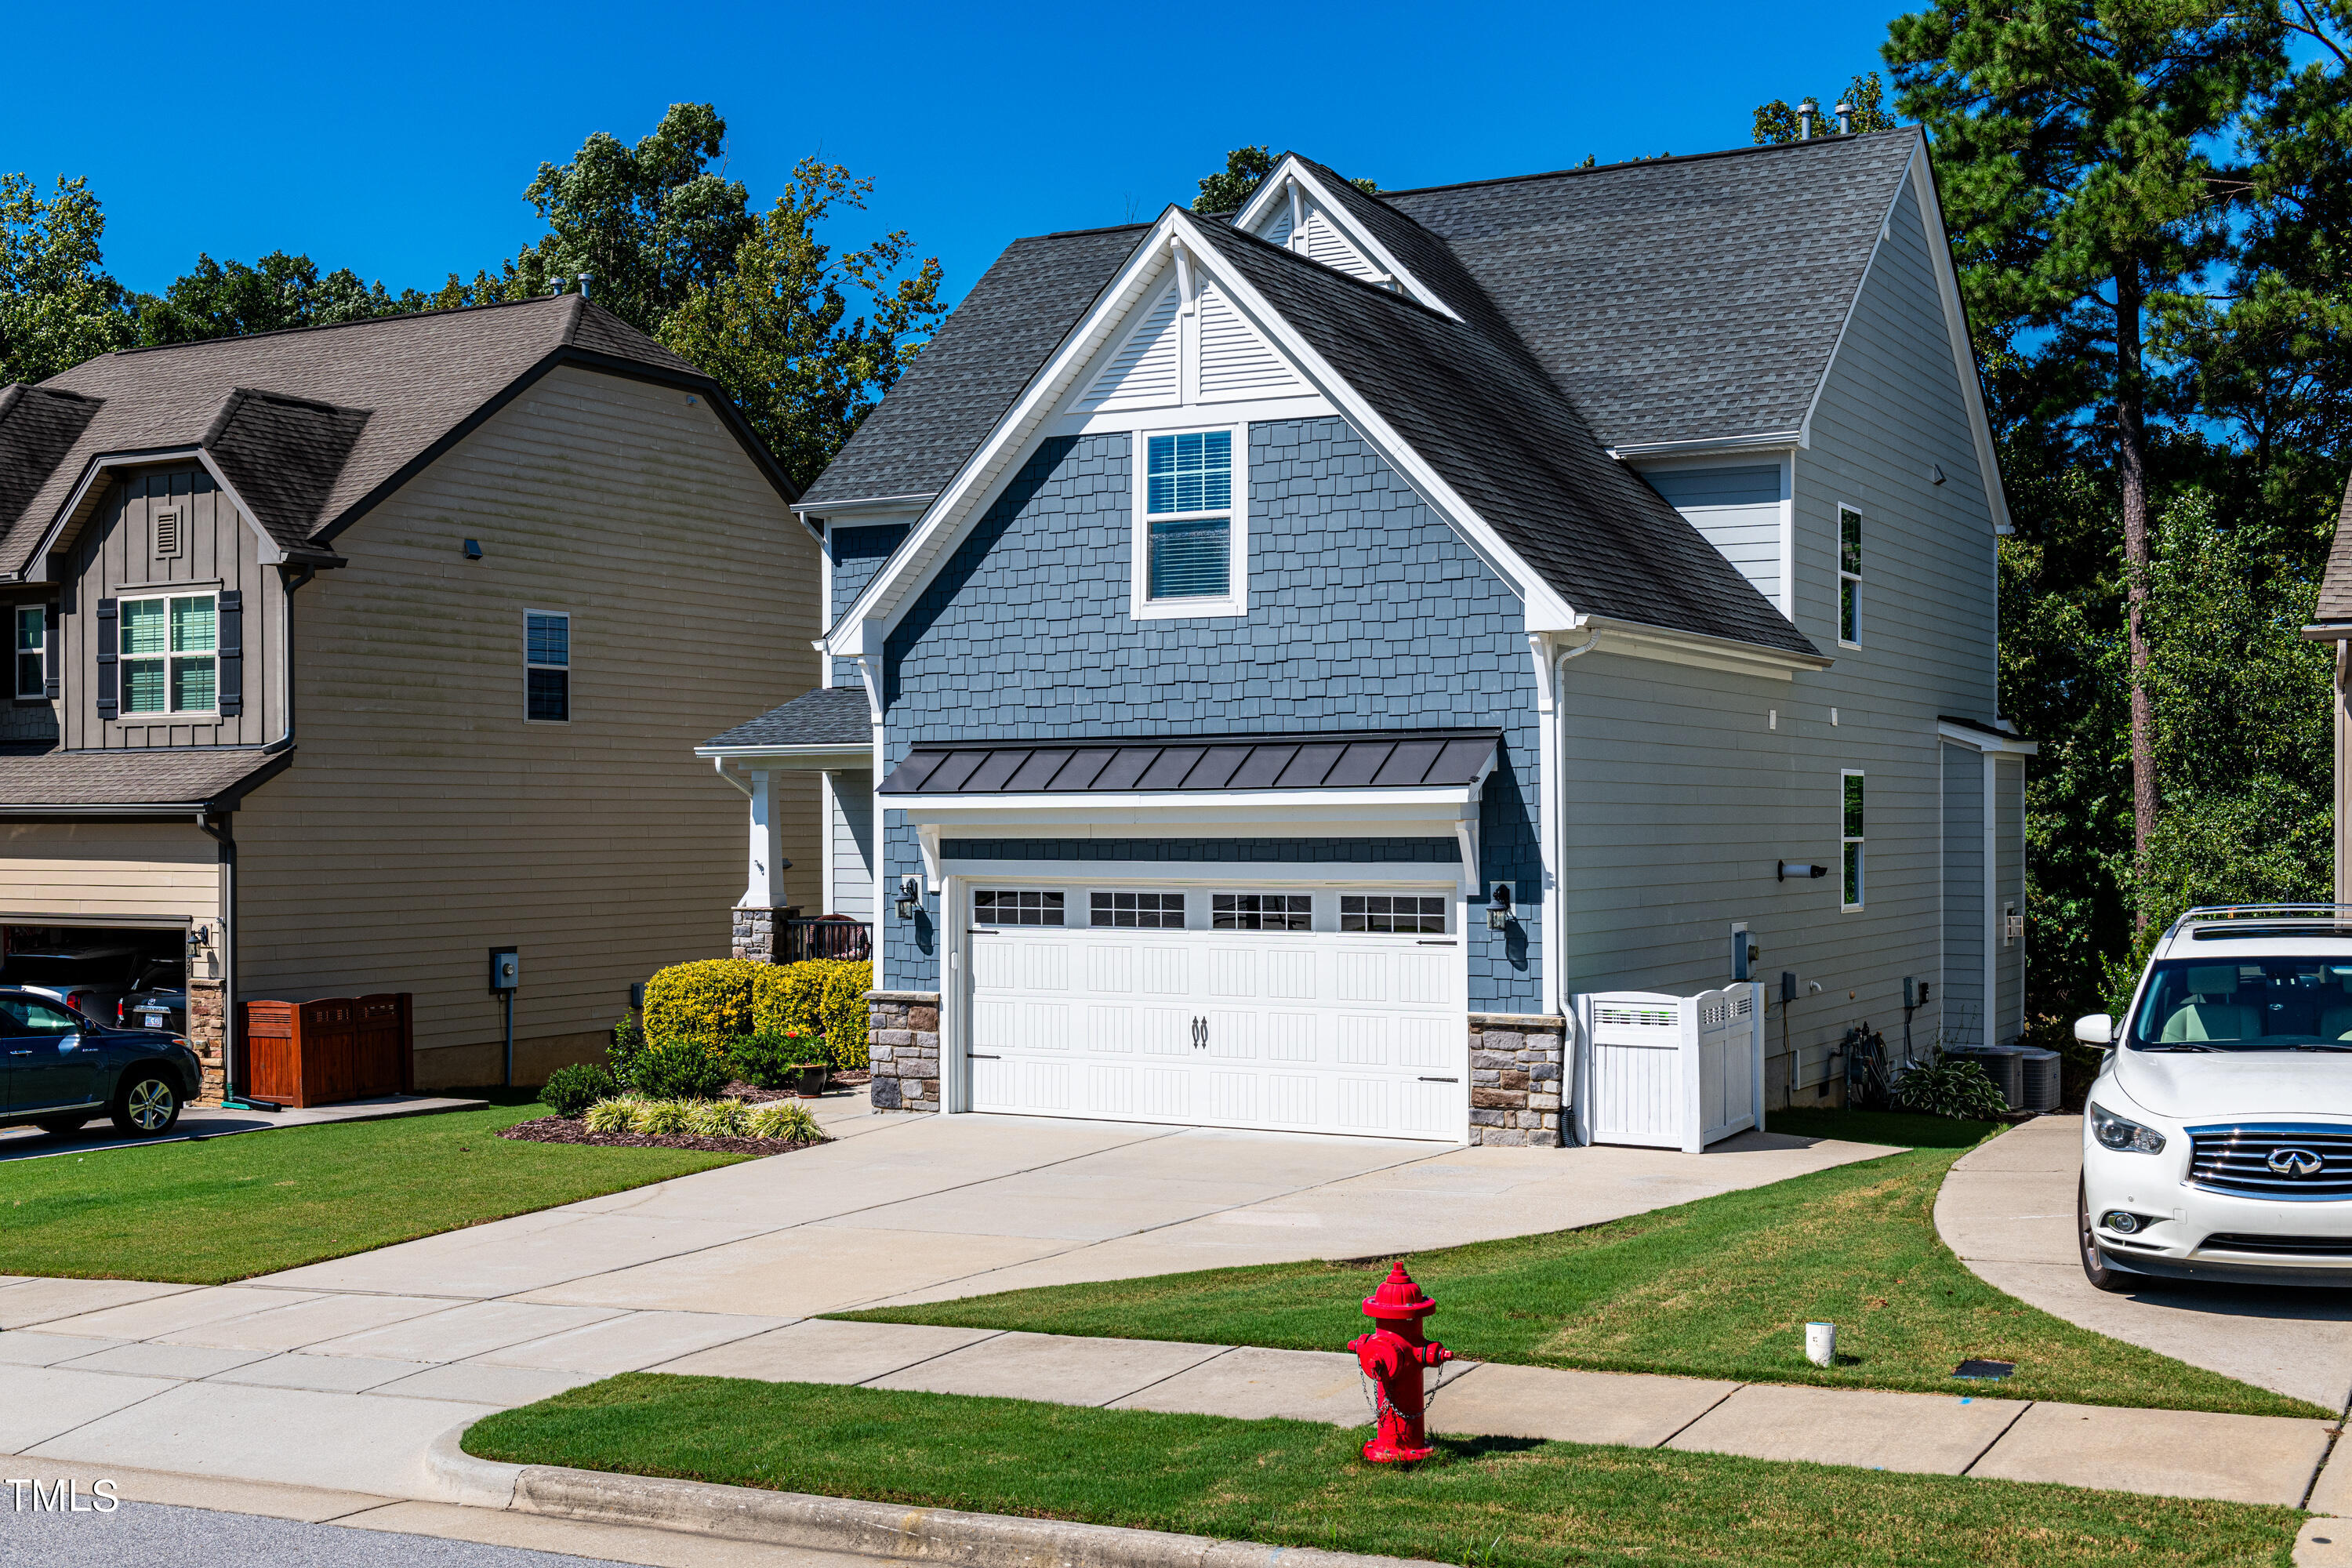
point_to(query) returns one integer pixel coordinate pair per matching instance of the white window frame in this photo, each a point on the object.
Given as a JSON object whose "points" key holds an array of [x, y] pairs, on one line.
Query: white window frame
{"points": [[126, 714], [1845, 576], [1142, 607], [529, 665], [40, 652], [1858, 843]]}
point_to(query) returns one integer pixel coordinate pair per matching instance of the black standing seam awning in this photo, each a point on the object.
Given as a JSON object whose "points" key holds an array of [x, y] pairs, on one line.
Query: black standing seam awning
{"points": [[1394, 758]]}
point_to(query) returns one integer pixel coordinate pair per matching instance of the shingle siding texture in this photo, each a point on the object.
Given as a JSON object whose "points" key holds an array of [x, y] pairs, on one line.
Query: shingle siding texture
{"points": [[1367, 611], [2335, 587]]}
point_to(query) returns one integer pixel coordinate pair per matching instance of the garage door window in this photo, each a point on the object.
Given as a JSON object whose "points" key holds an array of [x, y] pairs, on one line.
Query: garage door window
{"points": [[1150, 911], [1397, 912], [1262, 911], [1015, 907]]}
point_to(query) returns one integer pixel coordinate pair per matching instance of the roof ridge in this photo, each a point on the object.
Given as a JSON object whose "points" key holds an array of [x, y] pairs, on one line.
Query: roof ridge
{"points": [[1790, 147], [1324, 269], [1103, 228], [325, 327]]}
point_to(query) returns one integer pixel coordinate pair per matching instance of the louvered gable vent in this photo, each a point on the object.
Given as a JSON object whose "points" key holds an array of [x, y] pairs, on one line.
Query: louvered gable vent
{"points": [[1144, 370], [1234, 361], [1327, 245]]}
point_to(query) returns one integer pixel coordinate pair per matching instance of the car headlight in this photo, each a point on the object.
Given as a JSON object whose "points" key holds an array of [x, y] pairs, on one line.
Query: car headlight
{"points": [[2128, 1137]]}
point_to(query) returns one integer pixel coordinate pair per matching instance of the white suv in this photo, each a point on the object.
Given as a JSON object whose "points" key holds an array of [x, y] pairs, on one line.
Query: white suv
{"points": [[2218, 1141]]}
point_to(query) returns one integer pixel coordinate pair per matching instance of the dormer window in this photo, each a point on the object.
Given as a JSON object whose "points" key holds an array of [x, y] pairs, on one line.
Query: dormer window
{"points": [[169, 649], [1189, 539]]}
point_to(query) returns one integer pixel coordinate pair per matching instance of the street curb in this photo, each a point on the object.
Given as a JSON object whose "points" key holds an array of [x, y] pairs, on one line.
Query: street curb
{"points": [[846, 1524]]}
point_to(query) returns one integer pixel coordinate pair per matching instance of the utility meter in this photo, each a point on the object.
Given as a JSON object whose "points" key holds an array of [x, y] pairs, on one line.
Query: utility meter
{"points": [[506, 968]]}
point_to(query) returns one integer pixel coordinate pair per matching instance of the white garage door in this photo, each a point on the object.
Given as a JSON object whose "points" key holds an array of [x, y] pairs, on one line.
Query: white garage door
{"points": [[1320, 1010]]}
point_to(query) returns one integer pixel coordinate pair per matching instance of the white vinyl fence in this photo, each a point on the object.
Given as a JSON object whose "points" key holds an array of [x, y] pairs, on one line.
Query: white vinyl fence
{"points": [[1671, 1072]]}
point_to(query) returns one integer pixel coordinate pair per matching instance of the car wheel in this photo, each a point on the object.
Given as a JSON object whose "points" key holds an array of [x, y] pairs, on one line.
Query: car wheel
{"points": [[146, 1104], [2094, 1263], [62, 1126]]}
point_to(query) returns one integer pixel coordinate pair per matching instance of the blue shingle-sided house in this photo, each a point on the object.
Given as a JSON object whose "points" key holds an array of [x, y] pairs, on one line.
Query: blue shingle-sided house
{"points": [[1278, 660]]}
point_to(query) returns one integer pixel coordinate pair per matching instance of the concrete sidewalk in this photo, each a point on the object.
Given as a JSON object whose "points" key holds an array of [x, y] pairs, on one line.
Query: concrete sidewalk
{"points": [[2006, 1209]]}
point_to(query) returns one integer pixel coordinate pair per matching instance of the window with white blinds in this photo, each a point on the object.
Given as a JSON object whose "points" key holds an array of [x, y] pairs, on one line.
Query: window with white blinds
{"points": [[1188, 543]]}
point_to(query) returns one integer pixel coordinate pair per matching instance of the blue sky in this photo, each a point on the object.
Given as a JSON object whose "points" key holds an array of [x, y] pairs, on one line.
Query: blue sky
{"points": [[397, 140]]}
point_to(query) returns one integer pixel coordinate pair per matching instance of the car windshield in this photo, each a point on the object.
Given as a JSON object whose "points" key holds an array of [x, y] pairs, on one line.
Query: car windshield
{"points": [[2246, 1005]]}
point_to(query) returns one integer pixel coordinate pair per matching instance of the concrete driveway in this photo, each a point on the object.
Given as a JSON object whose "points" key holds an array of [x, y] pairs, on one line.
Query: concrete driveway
{"points": [[2008, 1210], [338, 1375]]}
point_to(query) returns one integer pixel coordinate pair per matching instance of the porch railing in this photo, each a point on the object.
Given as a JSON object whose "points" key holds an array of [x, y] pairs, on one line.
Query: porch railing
{"points": [[825, 936]]}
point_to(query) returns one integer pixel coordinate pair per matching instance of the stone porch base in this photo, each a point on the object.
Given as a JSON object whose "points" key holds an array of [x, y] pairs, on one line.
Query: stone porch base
{"points": [[1515, 1072], [902, 1041]]}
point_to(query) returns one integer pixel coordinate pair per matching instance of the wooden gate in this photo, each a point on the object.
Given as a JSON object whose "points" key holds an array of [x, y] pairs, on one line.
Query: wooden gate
{"points": [[326, 1052]]}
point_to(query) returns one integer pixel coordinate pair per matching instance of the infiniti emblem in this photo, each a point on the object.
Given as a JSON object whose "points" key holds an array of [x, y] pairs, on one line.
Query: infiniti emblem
{"points": [[2294, 1162]]}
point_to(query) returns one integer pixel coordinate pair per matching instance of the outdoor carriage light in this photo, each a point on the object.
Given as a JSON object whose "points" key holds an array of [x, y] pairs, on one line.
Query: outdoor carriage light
{"points": [[910, 897], [2114, 1133], [1498, 913]]}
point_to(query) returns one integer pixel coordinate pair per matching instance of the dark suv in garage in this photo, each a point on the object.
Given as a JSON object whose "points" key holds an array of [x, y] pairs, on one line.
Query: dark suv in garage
{"points": [[58, 1070]]}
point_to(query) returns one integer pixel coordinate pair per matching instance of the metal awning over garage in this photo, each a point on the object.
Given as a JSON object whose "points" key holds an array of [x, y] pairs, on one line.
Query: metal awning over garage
{"points": [[1379, 783], [1381, 760]]}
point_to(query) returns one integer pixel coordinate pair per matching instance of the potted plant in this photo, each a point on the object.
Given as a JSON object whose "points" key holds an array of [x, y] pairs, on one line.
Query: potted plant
{"points": [[810, 1072]]}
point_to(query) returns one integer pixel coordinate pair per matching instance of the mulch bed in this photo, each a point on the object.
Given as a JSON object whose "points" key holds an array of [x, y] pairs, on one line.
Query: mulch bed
{"points": [[846, 1083], [563, 1130]]}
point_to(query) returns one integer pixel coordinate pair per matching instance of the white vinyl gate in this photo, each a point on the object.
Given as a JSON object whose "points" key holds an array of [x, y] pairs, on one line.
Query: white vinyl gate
{"points": [[1317, 1031], [1673, 1072]]}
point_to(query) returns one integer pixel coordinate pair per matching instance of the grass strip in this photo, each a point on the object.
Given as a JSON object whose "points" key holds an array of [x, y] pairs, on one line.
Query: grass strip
{"points": [[1719, 1288], [1486, 1502], [218, 1209]]}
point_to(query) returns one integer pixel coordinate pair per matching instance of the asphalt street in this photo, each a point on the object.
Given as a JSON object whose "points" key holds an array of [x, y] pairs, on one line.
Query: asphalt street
{"points": [[142, 1535]]}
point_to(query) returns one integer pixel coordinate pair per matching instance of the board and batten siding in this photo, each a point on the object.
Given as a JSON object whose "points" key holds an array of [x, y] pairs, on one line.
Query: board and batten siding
{"points": [[1737, 506], [424, 822], [114, 557], [137, 873], [850, 812]]}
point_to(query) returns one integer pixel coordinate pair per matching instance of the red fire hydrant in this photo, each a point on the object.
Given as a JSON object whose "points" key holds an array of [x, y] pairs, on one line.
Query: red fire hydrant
{"points": [[1392, 1356]]}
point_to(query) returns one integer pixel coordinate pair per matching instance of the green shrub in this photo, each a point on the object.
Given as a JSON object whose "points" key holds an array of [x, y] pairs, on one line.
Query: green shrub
{"points": [[628, 1044], [768, 1060], [1952, 1087], [679, 1069], [572, 1089], [718, 1119], [665, 1118], [717, 1001], [608, 1116], [785, 1119]]}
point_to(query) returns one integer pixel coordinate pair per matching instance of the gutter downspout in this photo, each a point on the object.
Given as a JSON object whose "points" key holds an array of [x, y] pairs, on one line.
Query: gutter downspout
{"points": [[235, 1071], [1551, 663]]}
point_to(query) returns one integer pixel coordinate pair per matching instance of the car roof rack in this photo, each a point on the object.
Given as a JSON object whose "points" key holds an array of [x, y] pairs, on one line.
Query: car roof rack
{"points": [[2332, 916]]}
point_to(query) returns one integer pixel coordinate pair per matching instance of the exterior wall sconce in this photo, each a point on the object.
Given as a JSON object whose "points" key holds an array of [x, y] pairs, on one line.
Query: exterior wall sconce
{"points": [[1498, 913], [910, 897], [1799, 869]]}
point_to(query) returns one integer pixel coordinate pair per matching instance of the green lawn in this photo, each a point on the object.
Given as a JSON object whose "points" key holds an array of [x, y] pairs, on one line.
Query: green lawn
{"points": [[230, 1207], [1491, 1502], [1719, 1288]]}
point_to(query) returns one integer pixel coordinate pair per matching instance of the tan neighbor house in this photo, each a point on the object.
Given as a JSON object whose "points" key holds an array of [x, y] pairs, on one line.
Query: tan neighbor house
{"points": [[348, 655]]}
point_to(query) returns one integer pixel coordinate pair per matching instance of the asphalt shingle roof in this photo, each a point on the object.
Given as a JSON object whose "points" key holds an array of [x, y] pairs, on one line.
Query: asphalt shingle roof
{"points": [[320, 422], [1477, 409], [2335, 583], [190, 776], [829, 716], [975, 365]]}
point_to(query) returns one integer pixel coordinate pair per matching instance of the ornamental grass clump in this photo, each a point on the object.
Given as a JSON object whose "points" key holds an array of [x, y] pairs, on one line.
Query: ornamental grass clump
{"points": [[1954, 1088], [783, 1119], [718, 1119], [611, 1116], [666, 1119]]}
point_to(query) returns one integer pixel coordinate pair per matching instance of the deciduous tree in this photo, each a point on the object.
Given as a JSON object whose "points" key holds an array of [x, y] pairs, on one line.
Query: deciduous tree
{"points": [[1865, 101], [57, 306]]}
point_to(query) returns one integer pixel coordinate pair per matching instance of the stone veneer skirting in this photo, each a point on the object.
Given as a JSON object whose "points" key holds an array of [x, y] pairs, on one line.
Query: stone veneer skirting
{"points": [[756, 932], [1517, 1063], [902, 1042]]}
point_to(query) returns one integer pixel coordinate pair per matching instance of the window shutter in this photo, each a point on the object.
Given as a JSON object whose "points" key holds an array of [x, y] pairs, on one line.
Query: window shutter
{"points": [[49, 686], [231, 649], [109, 643]]}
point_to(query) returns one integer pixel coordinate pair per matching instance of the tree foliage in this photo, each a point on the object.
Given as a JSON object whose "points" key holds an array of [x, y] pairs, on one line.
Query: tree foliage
{"points": [[775, 327], [228, 299], [57, 306], [1778, 122], [1229, 187]]}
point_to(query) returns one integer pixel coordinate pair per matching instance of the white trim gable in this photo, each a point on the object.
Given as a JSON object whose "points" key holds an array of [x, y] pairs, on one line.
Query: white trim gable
{"points": [[1144, 371], [1036, 413], [1291, 208], [1184, 351]]}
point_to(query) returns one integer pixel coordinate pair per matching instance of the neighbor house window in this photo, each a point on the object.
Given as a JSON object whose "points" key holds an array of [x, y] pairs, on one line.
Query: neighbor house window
{"points": [[32, 649], [168, 653], [1849, 574], [1187, 542], [547, 665], [1156, 911], [1262, 911], [1850, 781], [1015, 907], [1391, 913]]}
